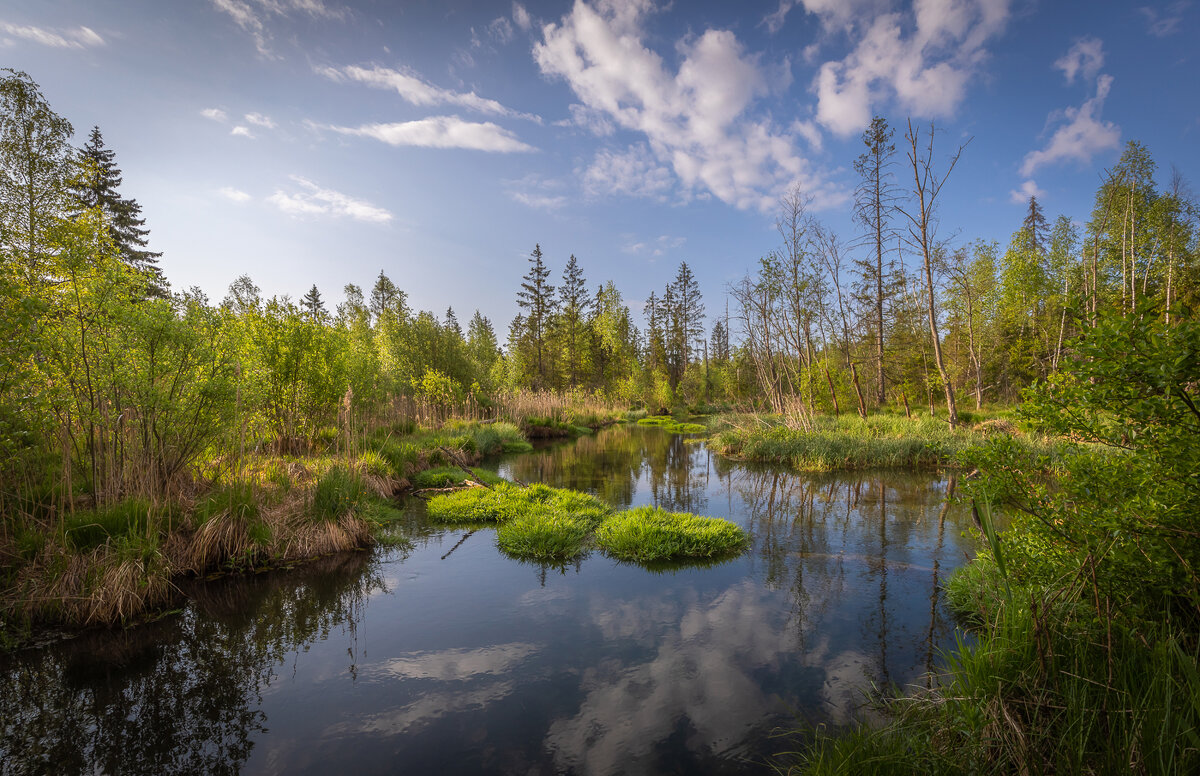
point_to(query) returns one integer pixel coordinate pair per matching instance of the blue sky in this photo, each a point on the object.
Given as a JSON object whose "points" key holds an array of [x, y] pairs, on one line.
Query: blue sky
{"points": [[317, 141]]}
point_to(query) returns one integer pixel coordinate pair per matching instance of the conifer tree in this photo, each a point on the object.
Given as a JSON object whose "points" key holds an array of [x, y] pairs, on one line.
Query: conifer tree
{"points": [[452, 323], [313, 306], [537, 298], [387, 298], [574, 302], [96, 187]]}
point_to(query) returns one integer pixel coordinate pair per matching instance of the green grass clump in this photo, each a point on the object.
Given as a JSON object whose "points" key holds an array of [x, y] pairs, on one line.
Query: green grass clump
{"points": [[87, 529], [372, 462], [544, 534], [506, 501], [340, 492], [654, 534], [656, 420], [452, 476], [668, 423]]}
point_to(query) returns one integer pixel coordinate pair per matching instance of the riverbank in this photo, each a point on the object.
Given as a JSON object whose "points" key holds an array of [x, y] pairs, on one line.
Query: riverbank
{"points": [[846, 443], [118, 563]]}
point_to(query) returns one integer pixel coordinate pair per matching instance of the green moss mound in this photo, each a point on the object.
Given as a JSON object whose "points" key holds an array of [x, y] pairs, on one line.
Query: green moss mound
{"points": [[648, 534]]}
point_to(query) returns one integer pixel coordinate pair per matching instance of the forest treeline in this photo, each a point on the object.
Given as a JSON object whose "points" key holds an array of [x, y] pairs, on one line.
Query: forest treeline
{"points": [[111, 383]]}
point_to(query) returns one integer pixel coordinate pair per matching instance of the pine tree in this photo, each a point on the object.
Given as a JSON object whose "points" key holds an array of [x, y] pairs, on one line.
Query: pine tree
{"points": [[313, 306], [387, 298], [684, 309], [1035, 227], [537, 297], [452, 323], [97, 187]]}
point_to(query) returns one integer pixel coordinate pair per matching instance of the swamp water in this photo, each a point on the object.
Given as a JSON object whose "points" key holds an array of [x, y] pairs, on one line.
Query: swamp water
{"points": [[453, 658]]}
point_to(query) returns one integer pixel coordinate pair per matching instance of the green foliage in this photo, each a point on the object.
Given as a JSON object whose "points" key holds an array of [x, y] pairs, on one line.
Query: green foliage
{"points": [[653, 534], [506, 501], [238, 500], [87, 529], [340, 492]]}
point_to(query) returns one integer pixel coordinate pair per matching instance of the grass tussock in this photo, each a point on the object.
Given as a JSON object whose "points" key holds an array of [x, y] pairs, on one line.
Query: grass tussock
{"points": [[849, 442], [506, 501], [649, 534], [453, 477], [668, 423], [544, 535]]}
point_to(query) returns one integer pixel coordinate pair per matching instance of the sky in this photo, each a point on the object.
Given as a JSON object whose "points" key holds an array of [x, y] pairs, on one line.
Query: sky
{"points": [[318, 141]]}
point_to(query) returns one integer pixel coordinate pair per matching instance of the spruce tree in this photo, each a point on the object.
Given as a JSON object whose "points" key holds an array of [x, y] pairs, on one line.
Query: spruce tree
{"points": [[452, 323], [97, 187], [313, 306], [387, 298], [537, 296], [575, 302]]}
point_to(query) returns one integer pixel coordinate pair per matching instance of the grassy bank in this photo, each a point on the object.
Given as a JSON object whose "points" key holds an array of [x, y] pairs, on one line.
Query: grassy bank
{"points": [[116, 563], [848, 442]]}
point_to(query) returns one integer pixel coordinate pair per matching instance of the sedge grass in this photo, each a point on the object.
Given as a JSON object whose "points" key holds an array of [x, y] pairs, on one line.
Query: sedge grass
{"points": [[649, 534], [506, 501], [544, 534]]}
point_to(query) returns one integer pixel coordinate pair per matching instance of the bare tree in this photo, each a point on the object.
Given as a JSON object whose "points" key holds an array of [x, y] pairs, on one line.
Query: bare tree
{"points": [[922, 234]]}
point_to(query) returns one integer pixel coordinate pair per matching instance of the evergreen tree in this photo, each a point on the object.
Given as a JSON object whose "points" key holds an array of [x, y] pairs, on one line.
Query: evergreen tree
{"points": [[685, 321], [96, 187], [313, 306], [1035, 227], [574, 303], [537, 298], [452, 323]]}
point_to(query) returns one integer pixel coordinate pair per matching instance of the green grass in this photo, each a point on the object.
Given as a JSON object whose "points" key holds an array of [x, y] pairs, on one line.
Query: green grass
{"points": [[87, 529], [544, 534], [650, 534], [452, 476], [848, 442], [668, 423], [340, 492], [506, 501]]}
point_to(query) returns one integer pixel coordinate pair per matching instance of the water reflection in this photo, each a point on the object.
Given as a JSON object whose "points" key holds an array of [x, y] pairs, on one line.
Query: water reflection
{"points": [[457, 659]]}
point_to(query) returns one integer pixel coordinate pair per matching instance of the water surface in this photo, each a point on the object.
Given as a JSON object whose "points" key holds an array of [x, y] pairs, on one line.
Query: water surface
{"points": [[453, 658]]}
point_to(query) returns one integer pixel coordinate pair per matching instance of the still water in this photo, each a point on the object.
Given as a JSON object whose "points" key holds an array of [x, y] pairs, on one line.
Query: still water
{"points": [[452, 658]]}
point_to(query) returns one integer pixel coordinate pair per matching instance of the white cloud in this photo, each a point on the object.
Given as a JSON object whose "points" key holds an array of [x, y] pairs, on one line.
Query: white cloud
{"points": [[240, 131], [414, 90], [923, 59], [78, 38], [1162, 24], [521, 17], [1082, 136], [696, 119], [1028, 189], [538, 201], [502, 30], [314, 200], [252, 16], [441, 132], [593, 121], [216, 114], [633, 172], [259, 120], [234, 195], [1085, 58], [654, 248]]}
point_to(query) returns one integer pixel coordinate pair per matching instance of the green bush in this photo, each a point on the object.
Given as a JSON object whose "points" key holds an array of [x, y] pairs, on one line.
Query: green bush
{"points": [[654, 534]]}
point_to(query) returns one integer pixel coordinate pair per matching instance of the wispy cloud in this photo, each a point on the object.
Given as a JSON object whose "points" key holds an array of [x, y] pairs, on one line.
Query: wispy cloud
{"points": [[538, 201], [1084, 58], [241, 131], [415, 90], [521, 17], [252, 16], [696, 120], [259, 120], [78, 38], [216, 114], [311, 199], [655, 247], [1028, 189], [1083, 134], [1162, 23], [923, 60], [234, 195], [440, 132]]}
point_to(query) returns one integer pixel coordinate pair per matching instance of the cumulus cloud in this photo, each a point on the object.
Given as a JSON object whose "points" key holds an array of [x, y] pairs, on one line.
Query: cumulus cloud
{"points": [[1028, 189], [241, 131], [234, 195], [259, 120], [441, 132], [924, 59], [1084, 58], [252, 16], [416, 91], [1160, 24], [216, 114], [1082, 135], [633, 172], [695, 120], [311, 199], [78, 38]]}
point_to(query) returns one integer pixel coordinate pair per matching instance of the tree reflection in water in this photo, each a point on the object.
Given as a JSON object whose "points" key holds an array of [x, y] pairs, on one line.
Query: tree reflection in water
{"points": [[183, 695]]}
